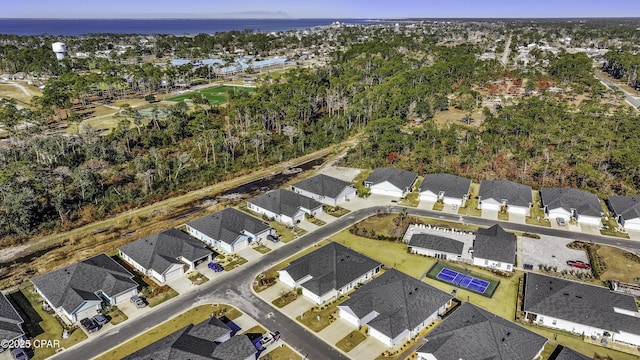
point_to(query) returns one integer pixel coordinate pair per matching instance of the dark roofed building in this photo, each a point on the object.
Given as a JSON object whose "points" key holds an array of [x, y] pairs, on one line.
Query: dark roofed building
{"points": [[451, 189], [162, 256], [495, 248], [10, 320], [564, 353], [626, 210], [329, 271], [436, 246], [325, 189], [568, 203], [474, 333], [395, 306], [391, 181], [76, 291], [228, 230], [581, 308], [285, 206], [494, 194]]}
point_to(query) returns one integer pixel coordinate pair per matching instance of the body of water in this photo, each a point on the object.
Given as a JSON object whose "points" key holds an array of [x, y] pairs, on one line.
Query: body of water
{"points": [[77, 27]]}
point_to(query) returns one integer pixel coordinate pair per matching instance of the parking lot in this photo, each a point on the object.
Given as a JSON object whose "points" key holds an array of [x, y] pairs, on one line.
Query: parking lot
{"points": [[549, 251]]}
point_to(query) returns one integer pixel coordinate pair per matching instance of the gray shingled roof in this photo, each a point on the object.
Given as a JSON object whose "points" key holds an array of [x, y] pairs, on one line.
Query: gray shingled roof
{"points": [[515, 194], [226, 225], [471, 333], [495, 244], [580, 303], [331, 267], [401, 301], [323, 185], [160, 251], [70, 286], [10, 320], [399, 178], [435, 242], [452, 185], [197, 342], [584, 202], [284, 202], [626, 206], [568, 354]]}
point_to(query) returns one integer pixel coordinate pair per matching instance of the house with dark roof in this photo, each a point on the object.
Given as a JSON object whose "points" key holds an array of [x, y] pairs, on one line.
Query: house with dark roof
{"points": [[495, 248], [329, 272], [565, 353], [163, 256], [228, 230], [208, 340], [498, 194], [572, 204], [470, 332], [450, 189], [391, 181], [285, 206], [77, 291], [439, 247], [395, 306], [325, 189], [626, 210], [589, 310], [10, 321]]}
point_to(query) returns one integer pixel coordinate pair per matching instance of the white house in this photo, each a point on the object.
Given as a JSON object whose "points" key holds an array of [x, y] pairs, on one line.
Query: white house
{"points": [[498, 194], [229, 230], [626, 210], [494, 248], [329, 272], [581, 308], [285, 206], [450, 189], [395, 306], [439, 247], [325, 189], [391, 182], [572, 204]]}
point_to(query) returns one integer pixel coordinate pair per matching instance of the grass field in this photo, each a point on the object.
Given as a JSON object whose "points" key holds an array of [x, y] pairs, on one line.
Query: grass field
{"points": [[216, 95]]}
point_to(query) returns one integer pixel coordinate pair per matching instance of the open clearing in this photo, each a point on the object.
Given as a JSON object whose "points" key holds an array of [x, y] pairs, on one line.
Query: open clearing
{"points": [[216, 95]]}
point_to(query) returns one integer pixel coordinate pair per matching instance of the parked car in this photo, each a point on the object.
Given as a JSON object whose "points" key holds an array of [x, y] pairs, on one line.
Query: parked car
{"points": [[578, 264], [140, 302], [215, 267], [90, 325], [101, 320], [273, 238], [19, 354], [275, 335], [560, 221]]}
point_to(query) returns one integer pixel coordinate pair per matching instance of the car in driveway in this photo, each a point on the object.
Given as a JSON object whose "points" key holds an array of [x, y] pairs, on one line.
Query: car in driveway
{"points": [[101, 320], [19, 354], [215, 267], [90, 325], [273, 238], [140, 302], [578, 264], [560, 221]]}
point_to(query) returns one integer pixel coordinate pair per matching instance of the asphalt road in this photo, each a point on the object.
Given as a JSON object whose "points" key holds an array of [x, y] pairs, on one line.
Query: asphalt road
{"points": [[629, 97], [235, 288]]}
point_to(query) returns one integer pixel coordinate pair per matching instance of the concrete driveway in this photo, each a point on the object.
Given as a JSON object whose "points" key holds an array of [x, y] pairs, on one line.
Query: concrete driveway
{"points": [[590, 229], [336, 331], [550, 251], [490, 214], [297, 307], [368, 349]]}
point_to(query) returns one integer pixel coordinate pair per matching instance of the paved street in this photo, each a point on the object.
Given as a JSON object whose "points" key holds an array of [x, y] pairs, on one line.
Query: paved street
{"points": [[628, 96]]}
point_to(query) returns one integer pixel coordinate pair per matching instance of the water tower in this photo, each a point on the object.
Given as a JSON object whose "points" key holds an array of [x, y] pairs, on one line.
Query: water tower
{"points": [[60, 49]]}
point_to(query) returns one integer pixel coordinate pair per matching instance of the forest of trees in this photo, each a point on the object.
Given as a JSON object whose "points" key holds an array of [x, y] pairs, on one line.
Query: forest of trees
{"points": [[623, 65]]}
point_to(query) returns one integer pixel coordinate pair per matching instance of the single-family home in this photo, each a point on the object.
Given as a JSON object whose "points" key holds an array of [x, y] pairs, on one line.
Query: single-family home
{"points": [[586, 309], [395, 307], [450, 189], [229, 230], [210, 339], [391, 181], [165, 255], [439, 247], [571, 204], [494, 248], [10, 321], [285, 206], [626, 210], [325, 189], [498, 194], [329, 272], [470, 332], [76, 291], [565, 353]]}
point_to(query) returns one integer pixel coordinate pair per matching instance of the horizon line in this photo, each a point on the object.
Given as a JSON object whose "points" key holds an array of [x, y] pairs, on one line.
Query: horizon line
{"points": [[322, 18]]}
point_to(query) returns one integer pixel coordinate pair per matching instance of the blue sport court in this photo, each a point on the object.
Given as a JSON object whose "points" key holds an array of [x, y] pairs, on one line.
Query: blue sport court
{"points": [[462, 280]]}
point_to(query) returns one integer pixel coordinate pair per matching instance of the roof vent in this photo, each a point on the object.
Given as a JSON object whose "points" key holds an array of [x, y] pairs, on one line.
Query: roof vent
{"points": [[502, 339], [579, 297]]}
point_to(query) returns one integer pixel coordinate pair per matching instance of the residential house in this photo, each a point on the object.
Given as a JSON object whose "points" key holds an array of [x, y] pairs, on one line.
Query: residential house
{"points": [[495, 248], [395, 306], [585, 309], [626, 210], [229, 230], [77, 291], [439, 247], [10, 321], [329, 272], [470, 332], [497, 194], [565, 353], [165, 255], [325, 189], [210, 339], [450, 189], [285, 206], [572, 204], [391, 181]]}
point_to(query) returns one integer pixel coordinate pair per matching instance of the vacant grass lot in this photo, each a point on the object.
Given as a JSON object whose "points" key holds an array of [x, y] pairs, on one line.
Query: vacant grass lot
{"points": [[217, 95], [619, 267]]}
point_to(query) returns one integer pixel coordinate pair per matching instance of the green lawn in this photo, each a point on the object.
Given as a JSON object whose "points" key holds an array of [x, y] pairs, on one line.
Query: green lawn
{"points": [[471, 206], [197, 278], [286, 299], [116, 315], [261, 249], [281, 353], [352, 340], [362, 190], [321, 316], [410, 200], [537, 214], [217, 95], [438, 206], [161, 297]]}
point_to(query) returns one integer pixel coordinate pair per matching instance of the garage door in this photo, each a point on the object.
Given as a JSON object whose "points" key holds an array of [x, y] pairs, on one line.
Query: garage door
{"points": [[173, 274]]}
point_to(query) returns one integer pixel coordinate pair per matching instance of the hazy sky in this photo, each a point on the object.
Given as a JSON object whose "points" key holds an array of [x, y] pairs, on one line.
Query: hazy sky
{"points": [[316, 9]]}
